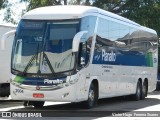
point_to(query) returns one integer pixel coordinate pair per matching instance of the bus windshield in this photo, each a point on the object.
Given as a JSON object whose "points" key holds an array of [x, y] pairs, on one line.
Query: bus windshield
{"points": [[44, 47]]}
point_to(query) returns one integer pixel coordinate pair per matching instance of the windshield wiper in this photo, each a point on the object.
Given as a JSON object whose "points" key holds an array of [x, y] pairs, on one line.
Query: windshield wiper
{"points": [[23, 73], [44, 54], [35, 56], [17, 72], [29, 64], [49, 63]]}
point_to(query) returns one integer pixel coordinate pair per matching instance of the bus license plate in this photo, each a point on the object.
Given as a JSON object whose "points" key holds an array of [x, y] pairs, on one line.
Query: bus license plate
{"points": [[38, 95]]}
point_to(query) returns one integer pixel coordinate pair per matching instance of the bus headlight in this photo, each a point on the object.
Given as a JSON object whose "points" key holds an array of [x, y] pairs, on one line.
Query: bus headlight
{"points": [[73, 81]]}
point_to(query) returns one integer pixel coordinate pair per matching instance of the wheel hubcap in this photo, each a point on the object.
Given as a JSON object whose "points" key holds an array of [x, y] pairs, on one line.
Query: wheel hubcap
{"points": [[91, 96], [138, 92]]}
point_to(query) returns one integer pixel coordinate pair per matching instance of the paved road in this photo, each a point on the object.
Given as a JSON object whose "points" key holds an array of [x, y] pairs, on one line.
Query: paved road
{"points": [[106, 108]]}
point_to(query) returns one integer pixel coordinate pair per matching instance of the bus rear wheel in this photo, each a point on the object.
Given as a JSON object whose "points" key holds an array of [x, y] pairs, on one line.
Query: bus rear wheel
{"points": [[92, 97], [138, 94], [144, 90]]}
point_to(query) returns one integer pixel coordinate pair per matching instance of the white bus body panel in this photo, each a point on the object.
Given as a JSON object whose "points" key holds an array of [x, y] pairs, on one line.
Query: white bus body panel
{"points": [[122, 80], [5, 55]]}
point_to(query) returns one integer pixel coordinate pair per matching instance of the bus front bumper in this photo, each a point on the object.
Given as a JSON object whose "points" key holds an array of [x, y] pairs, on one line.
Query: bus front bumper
{"points": [[66, 94]]}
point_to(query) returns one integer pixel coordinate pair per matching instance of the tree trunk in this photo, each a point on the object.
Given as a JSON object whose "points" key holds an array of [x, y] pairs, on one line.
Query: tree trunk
{"points": [[65, 2], [78, 2]]}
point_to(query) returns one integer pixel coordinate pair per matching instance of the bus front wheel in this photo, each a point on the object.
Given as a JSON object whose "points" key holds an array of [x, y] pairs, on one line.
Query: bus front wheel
{"points": [[38, 104], [92, 97]]}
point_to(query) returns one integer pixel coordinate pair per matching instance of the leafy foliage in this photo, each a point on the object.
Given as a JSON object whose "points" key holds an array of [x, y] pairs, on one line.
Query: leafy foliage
{"points": [[40, 3], [8, 12], [3, 3], [144, 12], [7, 16], [110, 5]]}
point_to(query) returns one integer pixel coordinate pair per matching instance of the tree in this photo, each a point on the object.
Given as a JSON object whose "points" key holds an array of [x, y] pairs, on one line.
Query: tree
{"points": [[8, 12], [40, 3], [3, 3], [110, 5], [144, 12]]}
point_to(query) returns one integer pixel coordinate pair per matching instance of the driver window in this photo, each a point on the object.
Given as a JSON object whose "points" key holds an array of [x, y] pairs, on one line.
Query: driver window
{"points": [[83, 55]]}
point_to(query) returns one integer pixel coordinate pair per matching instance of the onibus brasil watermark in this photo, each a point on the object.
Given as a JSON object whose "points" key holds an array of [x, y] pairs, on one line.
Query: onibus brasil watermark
{"points": [[21, 114]]}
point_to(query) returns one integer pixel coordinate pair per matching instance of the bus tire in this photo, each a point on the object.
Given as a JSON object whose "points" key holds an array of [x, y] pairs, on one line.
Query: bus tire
{"points": [[92, 97], [144, 90], [138, 94], [158, 85], [38, 104]]}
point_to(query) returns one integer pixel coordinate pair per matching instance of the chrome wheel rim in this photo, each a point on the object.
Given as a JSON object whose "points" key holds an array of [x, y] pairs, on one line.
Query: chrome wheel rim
{"points": [[138, 92], [91, 97]]}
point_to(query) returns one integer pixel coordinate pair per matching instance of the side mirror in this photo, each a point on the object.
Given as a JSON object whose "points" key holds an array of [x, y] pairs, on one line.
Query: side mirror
{"points": [[4, 38], [76, 40]]}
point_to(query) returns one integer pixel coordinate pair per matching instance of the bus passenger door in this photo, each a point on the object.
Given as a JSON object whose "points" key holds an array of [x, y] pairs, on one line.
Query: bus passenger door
{"points": [[82, 66]]}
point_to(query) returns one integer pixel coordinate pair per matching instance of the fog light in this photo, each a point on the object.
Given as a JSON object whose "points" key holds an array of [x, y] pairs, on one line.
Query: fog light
{"points": [[64, 95]]}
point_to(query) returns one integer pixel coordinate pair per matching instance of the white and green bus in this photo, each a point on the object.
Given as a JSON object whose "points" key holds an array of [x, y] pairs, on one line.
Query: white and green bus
{"points": [[80, 53]]}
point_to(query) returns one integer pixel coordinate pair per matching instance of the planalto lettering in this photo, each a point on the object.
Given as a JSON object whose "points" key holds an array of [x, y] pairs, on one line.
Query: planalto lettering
{"points": [[58, 81], [111, 57]]}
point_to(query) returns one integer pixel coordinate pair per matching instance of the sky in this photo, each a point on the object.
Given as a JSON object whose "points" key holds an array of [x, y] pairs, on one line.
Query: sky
{"points": [[16, 8]]}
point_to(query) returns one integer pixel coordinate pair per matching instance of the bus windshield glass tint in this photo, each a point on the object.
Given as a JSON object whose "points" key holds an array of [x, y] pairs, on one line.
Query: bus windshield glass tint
{"points": [[44, 47]]}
